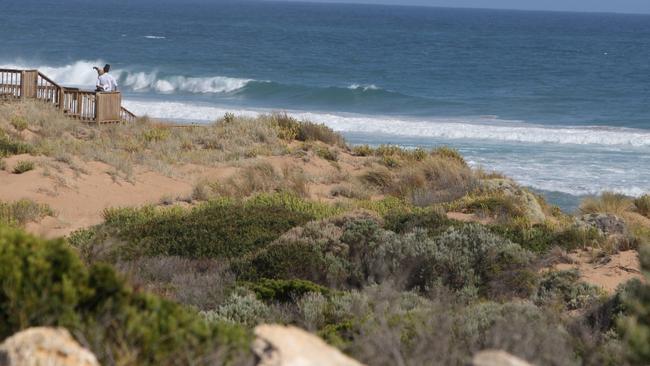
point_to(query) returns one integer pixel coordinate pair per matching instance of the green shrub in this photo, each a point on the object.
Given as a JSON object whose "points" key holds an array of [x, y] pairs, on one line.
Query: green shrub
{"points": [[216, 229], [540, 238], [471, 258], [291, 202], [564, 289], [23, 166], [326, 252], [43, 283], [9, 147], [433, 220], [386, 206], [239, 309], [355, 252], [23, 211], [284, 290], [211, 230], [636, 327], [642, 205]]}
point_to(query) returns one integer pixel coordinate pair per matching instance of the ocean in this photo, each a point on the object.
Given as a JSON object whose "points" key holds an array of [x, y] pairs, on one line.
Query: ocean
{"points": [[558, 101]]}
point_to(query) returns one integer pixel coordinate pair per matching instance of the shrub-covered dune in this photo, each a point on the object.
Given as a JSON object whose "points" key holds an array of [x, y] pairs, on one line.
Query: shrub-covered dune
{"points": [[178, 241]]}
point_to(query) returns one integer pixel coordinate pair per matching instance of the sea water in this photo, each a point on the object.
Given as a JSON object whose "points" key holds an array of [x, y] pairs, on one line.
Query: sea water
{"points": [[558, 101]]}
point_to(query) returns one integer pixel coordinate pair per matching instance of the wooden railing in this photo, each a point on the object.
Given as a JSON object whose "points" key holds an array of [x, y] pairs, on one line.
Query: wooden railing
{"points": [[47, 90], [10, 81], [79, 104], [127, 116], [88, 106]]}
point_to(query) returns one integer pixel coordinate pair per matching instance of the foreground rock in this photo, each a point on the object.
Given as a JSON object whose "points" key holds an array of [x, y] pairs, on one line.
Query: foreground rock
{"points": [[277, 345], [497, 358], [44, 347]]}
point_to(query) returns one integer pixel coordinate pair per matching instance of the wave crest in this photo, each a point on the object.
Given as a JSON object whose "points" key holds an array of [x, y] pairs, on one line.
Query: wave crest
{"points": [[81, 74], [142, 81]]}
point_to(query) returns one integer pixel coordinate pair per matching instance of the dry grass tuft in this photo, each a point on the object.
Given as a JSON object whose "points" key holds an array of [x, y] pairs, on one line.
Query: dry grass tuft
{"points": [[642, 205], [259, 177], [607, 203], [23, 166], [423, 179]]}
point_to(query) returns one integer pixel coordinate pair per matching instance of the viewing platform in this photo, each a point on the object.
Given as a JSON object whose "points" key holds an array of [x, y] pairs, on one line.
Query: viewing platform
{"points": [[87, 106]]}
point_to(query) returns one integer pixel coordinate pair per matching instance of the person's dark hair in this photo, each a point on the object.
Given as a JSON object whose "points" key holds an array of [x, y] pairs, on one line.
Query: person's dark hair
{"points": [[107, 68]]}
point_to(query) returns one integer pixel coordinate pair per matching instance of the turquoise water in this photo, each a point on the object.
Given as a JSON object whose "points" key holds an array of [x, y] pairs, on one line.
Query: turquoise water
{"points": [[559, 101]]}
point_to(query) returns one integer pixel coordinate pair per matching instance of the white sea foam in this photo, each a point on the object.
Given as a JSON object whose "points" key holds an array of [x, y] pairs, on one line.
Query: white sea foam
{"points": [[81, 74], [155, 37], [151, 81], [471, 128], [363, 87]]}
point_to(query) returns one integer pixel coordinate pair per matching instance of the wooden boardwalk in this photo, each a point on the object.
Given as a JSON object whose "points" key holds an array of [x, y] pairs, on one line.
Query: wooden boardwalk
{"points": [[87, 106]]}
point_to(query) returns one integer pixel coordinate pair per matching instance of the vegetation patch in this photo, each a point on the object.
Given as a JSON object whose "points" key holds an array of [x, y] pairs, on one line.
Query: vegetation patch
{"points": [[608, 203], [271, 290], [43, 283], [215, 229], [21, 212], [642, 205], [23, 166]]}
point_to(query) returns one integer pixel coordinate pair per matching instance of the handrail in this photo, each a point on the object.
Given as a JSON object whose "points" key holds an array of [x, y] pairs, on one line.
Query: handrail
{"points": [[127, 116], [11, 70], [41, 75]]}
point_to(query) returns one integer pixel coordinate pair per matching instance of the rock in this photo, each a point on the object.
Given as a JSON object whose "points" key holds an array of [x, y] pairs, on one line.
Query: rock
{"points": [[532, 209], [278, 345], [497, 358], [44, 346], [606, 224]]}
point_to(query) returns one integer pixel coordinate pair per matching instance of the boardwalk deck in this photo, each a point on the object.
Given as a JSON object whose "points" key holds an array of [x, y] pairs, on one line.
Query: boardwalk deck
{"points": [[87, 106]]}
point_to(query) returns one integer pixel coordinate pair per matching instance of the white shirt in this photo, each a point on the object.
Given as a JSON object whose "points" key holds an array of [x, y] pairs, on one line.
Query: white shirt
{"points": [[107, 83]]}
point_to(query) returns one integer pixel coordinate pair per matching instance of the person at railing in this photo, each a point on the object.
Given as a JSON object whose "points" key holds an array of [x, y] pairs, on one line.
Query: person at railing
{"points": [[105, 81], [98, 88]]}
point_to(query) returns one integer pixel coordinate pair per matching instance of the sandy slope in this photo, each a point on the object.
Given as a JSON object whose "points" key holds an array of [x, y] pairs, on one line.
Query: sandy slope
{"points": [[80, 191], [79, 197], [608, 272]]}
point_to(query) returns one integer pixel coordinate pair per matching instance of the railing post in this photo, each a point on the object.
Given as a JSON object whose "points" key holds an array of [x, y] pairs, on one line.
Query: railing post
{"points": [[61, 99], [28, 84], [108, 107]]}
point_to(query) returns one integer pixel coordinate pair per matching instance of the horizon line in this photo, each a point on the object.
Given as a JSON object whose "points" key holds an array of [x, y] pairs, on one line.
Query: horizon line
{"points": [[352, 2]]}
